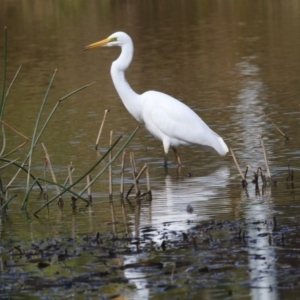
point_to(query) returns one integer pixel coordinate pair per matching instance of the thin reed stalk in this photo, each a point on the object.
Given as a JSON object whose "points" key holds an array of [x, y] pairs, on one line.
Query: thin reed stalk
{"points": [[14, 130], [35, 140], [137, 178], [244, 181], [7, 202], [148, 184], [8, 90], [36, 126], [46, 183], [113, 159], [70, 171], [122, 175], [79, 179], [124, 214], [55, 107], [101, 127], [265, 157], [137, 218], [284, 135], [109, 169], [133, 163], [113, 219], [4, 72], [262, 175], [15, 149], [12, 180], [135, 182], [63, 187], [89, 190], [24, 169], [236, 163], [8, 164], [25, 200], [93, 167], [4, 141], [249, 167], [60, 200]]}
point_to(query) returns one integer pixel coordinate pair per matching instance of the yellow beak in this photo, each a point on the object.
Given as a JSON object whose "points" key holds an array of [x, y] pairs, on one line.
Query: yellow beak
{"points": [[97, 44]]}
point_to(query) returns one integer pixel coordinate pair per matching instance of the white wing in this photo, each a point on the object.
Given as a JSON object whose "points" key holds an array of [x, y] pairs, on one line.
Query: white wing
{"points": [[167, 118]]}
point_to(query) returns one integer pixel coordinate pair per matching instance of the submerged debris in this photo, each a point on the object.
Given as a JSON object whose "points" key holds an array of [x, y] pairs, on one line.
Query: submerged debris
{"points": [[217, 250]]}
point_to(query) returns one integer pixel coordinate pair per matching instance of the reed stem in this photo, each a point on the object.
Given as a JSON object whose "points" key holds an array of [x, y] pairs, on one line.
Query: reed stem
{"points": [[4, 72], [109, 169], [36, 126], [265, 157], [93, 167], [135, 183], [7, 202], [89, 189], [285, 136], [60, 201], [137, 178], [24, 169], [101, 127], [122, 175], [8, 90], [148, 184], [237, 165], [4, 141]]}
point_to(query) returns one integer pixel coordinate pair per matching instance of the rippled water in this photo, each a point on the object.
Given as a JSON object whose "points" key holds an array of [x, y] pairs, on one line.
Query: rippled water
{"points": [[233, 62]]}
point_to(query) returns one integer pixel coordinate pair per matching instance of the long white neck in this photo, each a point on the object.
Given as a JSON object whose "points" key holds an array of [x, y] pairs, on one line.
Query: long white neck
{"points": [[131, 99]]}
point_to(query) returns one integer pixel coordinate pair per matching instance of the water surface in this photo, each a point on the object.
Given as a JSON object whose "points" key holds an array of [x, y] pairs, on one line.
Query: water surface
{"points": [[231, 61]]}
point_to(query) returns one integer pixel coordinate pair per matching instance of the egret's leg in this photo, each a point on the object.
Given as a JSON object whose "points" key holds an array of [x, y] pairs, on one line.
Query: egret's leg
{"points": [[177, 156], [166, 149], [166, 160]]}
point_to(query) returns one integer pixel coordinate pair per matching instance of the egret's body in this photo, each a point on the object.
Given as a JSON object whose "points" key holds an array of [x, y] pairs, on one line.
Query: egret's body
{"points": [[168, 119]]}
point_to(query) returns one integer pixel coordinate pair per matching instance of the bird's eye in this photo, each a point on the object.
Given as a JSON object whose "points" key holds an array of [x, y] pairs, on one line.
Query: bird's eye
{"points": [[114, 39]]}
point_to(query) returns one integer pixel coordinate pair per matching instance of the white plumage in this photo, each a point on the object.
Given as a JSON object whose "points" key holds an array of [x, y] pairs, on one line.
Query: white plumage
{"points": [[168, 119]]}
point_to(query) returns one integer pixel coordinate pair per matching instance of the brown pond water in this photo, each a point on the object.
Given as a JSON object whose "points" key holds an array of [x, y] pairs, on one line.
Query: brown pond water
{"points": [[232, 62]]}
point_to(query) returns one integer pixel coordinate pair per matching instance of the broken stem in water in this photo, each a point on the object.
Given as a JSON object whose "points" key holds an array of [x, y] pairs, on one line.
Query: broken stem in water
{"points": [[135, 181], [285, 136], [137, 178], [265, 156], [60, 201], [244, 181]]}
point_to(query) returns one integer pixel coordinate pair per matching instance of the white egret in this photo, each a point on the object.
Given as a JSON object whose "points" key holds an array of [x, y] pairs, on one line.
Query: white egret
{"points": [[168, 119]]}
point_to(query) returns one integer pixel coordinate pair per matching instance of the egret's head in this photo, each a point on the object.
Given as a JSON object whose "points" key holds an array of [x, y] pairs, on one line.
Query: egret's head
{"points": [[116, 39]]}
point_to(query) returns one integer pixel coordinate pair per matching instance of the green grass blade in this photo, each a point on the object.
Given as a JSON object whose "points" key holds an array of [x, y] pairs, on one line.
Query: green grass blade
{"points": [[4, 73], [64, 187], [75, 91], [8, 90], [4, 141], [6, 202], [24, 204], [110, 162], [23, 168], [55, 107], [33, 140], [83, 176], [15, 149], [10, 163]]}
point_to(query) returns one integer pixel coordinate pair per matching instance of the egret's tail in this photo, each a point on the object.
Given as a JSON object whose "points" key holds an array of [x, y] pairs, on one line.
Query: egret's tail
{"points": [[217, 144], [222, 148]]}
